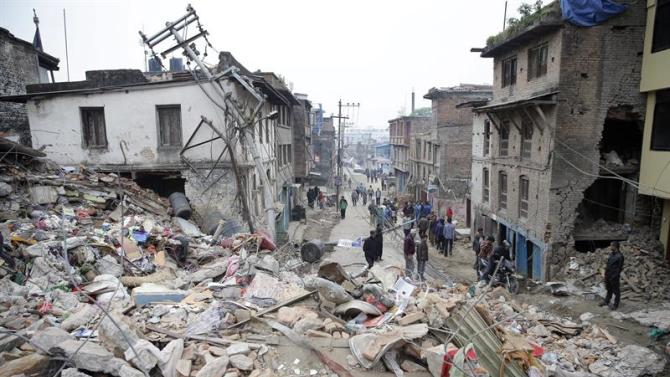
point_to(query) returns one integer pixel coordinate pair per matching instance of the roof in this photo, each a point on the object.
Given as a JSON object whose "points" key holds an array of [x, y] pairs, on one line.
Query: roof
{"points": [[528, 28], [473, 103], [45, 60], [460, 89], [411, 117], [541, 99]]}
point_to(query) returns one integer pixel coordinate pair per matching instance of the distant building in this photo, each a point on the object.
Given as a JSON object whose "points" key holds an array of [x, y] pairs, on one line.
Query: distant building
{"points": [[324, 148], [21, 63], [566, 115], [655, 83], [400, 134]]}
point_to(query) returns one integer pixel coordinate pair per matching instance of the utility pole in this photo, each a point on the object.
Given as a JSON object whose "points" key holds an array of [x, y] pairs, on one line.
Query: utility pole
{"points": [[340, 142], [238, 115]]}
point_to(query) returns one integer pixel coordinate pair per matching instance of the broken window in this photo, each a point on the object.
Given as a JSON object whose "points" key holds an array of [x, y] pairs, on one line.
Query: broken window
{"points": [[504, 138], [93, 127], [537, 61], [485, 185], [661, 38], [169, 125], [487, 136], [509, 71], [660, 132], [524, 184], [526, 138], [502, 190]]}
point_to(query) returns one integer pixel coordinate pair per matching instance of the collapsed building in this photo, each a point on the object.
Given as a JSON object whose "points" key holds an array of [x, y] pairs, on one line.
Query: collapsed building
{"points": [[164, 131], [556, 149]]}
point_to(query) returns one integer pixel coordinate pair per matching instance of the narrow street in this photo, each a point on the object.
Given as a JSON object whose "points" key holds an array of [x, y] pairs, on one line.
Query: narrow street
{"points": [[439, 269]]}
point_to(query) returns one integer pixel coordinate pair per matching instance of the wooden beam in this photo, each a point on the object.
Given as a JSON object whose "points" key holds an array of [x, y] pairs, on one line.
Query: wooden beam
{"points": [[495, 123], [541, 114], [510, 116], [536, 124]]}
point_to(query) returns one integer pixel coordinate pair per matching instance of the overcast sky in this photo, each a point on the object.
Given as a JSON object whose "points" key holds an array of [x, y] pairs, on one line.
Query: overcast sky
{"points": [[368, 51]]}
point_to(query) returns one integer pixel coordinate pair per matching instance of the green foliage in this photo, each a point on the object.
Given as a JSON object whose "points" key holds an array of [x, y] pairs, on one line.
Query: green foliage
{"points": [[528, 15], [422, 112]]}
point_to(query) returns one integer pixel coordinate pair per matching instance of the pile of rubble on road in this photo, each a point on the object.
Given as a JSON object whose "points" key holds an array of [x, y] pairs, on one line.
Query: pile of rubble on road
{"points": [[644, 277], [97, 277]]}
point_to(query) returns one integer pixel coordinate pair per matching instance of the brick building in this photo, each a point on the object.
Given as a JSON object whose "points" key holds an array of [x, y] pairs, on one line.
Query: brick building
{"points": [[451, 132], [324, 149], [21, 63], [400, 135], [566, 115]]}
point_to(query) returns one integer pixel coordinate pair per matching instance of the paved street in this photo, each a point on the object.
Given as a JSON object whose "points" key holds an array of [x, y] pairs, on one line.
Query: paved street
{"points": [[357, 223]]}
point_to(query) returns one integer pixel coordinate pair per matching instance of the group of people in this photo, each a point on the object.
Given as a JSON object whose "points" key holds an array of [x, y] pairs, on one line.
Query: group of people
{"points": [[360, 193], [484, 249], [315, 195], [373, 175]]}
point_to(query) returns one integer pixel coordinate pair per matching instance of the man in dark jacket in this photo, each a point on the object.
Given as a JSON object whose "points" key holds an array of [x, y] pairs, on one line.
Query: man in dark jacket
{"points": [[423, 226], [422, 257], [369, 249], [379, 243], [439, 229], [613, 275]]}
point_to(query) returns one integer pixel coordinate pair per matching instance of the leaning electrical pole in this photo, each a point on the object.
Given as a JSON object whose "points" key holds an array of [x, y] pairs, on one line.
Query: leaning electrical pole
{"points": [[227, 105], [340, 142]]}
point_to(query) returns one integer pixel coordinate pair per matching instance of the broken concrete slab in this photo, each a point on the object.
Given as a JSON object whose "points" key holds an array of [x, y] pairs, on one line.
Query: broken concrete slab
{"points": [[72, 372], [94, 358], [215, 368], [238, 348], [33, 364], [43, 194], [631, 361], [148, 293], [83, 314], [242, 362], [44, 340]]}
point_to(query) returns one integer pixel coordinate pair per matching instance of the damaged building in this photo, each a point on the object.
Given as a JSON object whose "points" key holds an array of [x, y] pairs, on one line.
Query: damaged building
{"points": [[558, 146], [165, 132], [21, 63], [323, 147], [450, 152]]}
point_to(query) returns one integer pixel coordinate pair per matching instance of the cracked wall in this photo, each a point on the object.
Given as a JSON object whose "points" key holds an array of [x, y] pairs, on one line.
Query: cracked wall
{"points": [[600, 69]]}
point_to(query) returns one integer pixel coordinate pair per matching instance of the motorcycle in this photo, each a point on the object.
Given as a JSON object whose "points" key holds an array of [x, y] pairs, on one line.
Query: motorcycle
{"points": [[505, 277]]}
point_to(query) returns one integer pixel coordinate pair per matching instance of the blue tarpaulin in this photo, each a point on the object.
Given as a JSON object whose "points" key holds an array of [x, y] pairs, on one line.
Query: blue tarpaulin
{"points": [[589, 12]]}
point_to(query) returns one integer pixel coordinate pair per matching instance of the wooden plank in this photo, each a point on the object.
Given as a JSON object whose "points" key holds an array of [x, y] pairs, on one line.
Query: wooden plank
{"points": [[536, 124], [276, 307]]}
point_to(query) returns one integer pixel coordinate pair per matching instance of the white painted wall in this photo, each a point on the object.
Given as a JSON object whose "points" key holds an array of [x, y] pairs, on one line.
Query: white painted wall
{"points": [[130, 116]]}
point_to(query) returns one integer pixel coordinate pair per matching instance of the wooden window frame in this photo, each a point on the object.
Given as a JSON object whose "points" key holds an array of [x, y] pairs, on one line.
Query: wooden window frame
{"points": [[526, 139], [509, 68], [159, 130], [85, 136], [658, 130], [537, 61], [487, 137], [524, 193], [662, 12], [486, 184], [502, 190], [503, 142]]}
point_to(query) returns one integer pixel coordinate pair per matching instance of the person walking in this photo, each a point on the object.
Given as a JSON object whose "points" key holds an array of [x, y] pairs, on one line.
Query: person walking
{"points": [[422, 257], [612, 276], [371, 193], [364, 196], [369, 249], [432, 221], [378, 196], [343, 206], [423, 226], [379, 243], [354, 197], [476, 246], [449, 236], [417, 212], [501, 251], [407, 224], [439, 235], [426, 209], [409, 249]]}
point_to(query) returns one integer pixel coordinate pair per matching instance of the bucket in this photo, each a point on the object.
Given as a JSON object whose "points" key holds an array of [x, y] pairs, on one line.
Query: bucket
{"points": [[180, 205]]}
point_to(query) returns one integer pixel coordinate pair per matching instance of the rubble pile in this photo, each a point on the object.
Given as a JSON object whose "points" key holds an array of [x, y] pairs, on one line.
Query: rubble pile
{"points": [[97, 278], [643, 279], [573, 346]]}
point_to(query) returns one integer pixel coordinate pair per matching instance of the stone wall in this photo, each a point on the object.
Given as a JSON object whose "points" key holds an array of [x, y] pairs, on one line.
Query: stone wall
{"points": [[18, 67]]}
